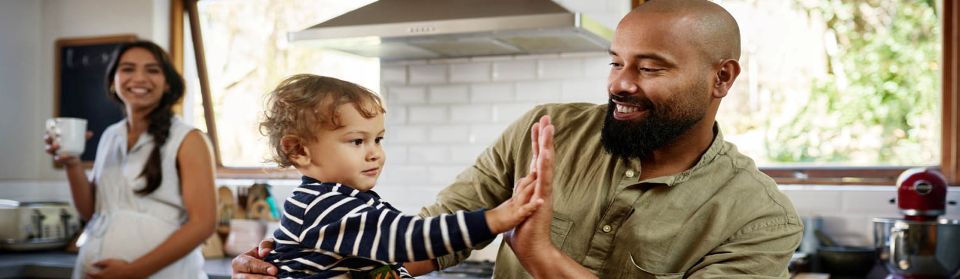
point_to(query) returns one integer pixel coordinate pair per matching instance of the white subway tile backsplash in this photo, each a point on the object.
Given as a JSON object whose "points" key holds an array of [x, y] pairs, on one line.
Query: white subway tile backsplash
{"points": [[596, 66], [867, 201], [588, 91], [449, 134], [396, 153], [427, 114], [814, 203], [444, 174], [428, 154], [508, 113], [485, 135], [33, 191], [491, 92], [396, 115], [405, 134], [404, 95], [403, 174], [449, 94], [953, 211], [538, 91], [394, 74], [465, 154], [475, 113], [515, 70], [472, 72], [430, 73], [561, 68]]}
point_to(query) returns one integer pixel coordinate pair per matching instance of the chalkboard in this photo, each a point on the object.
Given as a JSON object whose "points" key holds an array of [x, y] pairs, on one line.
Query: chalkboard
{"points": [[81, 67]]}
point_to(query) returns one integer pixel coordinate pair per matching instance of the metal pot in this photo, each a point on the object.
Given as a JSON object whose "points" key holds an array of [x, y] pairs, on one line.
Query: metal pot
{"points": [[918, 248], [847, 262]]}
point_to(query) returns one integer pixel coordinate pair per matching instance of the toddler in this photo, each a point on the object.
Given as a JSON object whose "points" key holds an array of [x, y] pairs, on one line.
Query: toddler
{"points": [[334, 225]]}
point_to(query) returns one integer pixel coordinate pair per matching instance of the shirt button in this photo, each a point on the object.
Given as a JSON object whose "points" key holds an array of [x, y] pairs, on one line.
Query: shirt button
{"points": [[607, 228], [630, 173]]}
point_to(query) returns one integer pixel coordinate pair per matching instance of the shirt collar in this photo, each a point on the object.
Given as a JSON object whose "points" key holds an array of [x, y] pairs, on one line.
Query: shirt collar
{"points": [[309, 180], [716, 148], [305, 180]]}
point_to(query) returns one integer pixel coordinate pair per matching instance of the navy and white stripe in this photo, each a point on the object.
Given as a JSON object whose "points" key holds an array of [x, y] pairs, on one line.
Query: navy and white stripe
{"points": [[329, 229]]}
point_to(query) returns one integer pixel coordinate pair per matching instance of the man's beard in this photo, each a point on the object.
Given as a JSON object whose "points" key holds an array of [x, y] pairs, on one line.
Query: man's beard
{"points": [[660, 126]]}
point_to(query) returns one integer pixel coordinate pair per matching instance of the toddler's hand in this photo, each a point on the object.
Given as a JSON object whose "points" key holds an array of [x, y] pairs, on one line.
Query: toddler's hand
{"points": [[512, 212]]}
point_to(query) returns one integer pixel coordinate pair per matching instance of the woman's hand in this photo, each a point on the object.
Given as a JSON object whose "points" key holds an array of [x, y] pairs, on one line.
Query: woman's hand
{"points": [[52, 147], [113, 268]]}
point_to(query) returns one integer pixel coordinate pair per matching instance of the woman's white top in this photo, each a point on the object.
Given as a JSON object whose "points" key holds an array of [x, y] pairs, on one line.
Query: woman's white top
{"points": [[126, 225]]}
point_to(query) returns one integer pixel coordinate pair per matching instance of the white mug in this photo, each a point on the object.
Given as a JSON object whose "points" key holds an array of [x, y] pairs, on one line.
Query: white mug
{"points": [[70, 133]]}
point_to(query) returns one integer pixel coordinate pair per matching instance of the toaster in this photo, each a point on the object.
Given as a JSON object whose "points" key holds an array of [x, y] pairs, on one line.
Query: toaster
{"points": [[36, 225]]}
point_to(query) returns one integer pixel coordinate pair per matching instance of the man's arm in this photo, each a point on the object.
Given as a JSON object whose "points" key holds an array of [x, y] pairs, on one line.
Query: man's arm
{"points": [[762, 249], [250, 265]]}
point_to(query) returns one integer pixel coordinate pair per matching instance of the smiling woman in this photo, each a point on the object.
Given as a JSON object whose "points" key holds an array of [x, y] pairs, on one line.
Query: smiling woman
{"points": [[149, 201]]}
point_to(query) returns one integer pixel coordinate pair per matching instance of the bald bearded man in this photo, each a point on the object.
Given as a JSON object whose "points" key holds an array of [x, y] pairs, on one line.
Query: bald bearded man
{"points": [[644, 186]]}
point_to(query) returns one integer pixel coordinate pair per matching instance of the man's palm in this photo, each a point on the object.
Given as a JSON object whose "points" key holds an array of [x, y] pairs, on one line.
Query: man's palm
{"points": [[534, 233]]}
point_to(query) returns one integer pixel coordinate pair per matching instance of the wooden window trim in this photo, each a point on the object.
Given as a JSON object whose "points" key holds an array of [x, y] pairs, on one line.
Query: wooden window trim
{"points": [[827, 175], [176, 34], [950, 140], [177, 10]]}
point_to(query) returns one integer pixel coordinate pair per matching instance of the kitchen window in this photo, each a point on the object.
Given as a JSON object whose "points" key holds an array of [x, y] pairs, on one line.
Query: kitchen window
{"points": [[248, 54], [832, 91], [851, 87]]}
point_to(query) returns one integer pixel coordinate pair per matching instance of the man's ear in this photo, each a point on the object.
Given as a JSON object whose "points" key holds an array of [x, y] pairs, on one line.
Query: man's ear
{"points": [[729, 70], [295, 149]]}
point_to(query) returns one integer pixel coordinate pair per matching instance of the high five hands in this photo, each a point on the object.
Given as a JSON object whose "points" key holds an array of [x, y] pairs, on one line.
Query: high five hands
{"points": [[532, 238]]}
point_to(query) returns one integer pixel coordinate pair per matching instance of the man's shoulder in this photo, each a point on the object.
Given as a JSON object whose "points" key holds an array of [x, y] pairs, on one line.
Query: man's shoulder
{"points": [[747, 182], [569, 110]]}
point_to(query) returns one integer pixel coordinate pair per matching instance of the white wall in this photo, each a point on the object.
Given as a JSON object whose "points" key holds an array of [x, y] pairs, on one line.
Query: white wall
{"points": [[29, 29], [442, 113], [20, 91]]}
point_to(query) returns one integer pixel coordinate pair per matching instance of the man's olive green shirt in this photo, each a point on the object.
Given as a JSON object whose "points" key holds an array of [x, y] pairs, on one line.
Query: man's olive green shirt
{"points": [[722, 218]]}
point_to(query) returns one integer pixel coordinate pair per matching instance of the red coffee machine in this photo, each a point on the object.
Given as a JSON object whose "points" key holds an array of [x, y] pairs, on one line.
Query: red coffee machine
{"points": [[921, 194], [921, 245]]}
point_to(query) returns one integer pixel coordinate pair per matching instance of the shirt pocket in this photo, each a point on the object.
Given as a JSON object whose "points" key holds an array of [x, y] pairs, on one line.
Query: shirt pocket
{"points": [[559, 229], [632, 270]]}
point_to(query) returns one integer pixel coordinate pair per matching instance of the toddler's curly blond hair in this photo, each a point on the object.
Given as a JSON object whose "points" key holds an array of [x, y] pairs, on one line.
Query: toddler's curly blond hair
{"points": [[303, 103]]}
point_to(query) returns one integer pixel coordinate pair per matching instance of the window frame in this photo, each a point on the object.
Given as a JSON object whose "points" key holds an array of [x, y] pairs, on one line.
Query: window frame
{"points": [[822, 175]]}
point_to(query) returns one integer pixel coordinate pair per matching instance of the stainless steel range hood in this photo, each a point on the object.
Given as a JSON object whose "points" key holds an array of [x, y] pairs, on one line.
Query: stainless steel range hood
{"points": [[416, 29]]}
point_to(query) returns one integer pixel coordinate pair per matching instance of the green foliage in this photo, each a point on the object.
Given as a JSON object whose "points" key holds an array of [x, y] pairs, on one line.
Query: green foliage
{"points": [[880, 104]]}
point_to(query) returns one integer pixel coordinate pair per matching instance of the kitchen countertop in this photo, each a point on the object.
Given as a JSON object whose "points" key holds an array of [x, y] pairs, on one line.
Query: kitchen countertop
{"points": [[59, 264]]}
